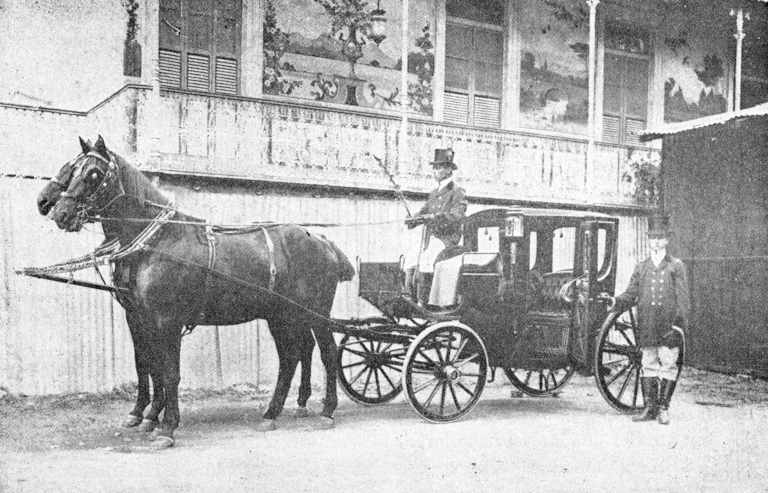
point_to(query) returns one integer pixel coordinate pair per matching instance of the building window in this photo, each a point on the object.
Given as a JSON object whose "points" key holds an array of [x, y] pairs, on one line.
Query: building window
{"points": [[200, 45], [625, 84], [474, 62]]}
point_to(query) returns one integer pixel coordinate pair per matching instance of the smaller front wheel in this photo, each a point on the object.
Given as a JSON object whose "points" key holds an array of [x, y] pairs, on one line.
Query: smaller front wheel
{"points": [[369, 371], [444, 372]]}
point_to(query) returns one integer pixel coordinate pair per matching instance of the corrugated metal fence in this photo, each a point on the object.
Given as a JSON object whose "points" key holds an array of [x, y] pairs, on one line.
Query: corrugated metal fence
{"points": [[56, 338]]}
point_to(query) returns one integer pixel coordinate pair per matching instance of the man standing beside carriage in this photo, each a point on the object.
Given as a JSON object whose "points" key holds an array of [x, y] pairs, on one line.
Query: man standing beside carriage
{"points": [[442, 217], [659, 289]]}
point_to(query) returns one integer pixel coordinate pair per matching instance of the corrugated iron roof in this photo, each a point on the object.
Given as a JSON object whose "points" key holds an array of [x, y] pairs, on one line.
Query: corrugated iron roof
{"points": [[673, 128]]}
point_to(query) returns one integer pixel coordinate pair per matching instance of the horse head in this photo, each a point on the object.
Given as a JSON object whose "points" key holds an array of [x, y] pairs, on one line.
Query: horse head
{"points": [[94, 184], [52, 191]]}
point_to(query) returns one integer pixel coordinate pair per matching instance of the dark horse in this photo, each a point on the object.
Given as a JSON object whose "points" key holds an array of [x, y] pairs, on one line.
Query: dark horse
{"points": [[46, 200], [189, 274]]}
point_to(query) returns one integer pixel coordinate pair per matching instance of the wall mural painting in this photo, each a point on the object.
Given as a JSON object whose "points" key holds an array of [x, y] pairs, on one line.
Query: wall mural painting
{"points": [[348, 52], [554, 85], [694, 78]]}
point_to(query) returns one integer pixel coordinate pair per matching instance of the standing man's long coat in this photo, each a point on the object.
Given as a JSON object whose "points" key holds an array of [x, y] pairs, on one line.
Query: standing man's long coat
{"points": [[662, 299], [449, 206]]}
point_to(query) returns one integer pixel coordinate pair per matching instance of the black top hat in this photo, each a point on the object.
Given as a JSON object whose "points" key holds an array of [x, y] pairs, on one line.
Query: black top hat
{"points": [[443, 159], [658, 225]]}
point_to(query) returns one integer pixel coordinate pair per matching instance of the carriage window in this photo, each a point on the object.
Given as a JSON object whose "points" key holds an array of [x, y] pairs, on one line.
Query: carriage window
{"points": [[488, 240], [563, 249], [601, 238], [533, 248]]}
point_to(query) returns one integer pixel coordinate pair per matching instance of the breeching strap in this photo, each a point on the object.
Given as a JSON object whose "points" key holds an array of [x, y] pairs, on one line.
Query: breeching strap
{"points": [[272, 267]]}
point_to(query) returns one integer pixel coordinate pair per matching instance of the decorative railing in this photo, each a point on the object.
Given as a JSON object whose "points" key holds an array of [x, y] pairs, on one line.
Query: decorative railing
{"points": [[278, 141]]}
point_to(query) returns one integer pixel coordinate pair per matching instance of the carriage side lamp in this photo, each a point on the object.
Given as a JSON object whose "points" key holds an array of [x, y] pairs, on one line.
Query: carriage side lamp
{"points": [[513, 227]]}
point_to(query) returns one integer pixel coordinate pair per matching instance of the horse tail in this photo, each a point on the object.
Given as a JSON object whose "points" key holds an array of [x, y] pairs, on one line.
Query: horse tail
{"points": [[346, 270]]}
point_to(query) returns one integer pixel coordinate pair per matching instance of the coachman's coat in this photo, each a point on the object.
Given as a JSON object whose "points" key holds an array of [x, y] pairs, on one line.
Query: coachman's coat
{"points": [[662, 299], [449, 206]]}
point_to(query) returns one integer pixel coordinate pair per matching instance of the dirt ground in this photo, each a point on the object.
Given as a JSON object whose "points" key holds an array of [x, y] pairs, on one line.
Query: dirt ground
{"points": [[575, 442]]}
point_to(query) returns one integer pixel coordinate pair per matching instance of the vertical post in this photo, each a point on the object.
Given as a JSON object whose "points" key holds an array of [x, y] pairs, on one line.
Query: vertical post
{"points": [[252, 48], [511, 82], [591, 71], [739, 38], [403, 147], [438, 80], [150, 150]]}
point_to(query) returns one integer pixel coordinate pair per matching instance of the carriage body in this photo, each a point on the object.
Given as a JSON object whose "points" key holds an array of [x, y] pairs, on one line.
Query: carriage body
{"points": [[525, 285]]}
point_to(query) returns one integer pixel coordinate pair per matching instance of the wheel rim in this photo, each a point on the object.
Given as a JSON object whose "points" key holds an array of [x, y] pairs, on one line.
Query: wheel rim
{"points": [[540, 382], [445, 372], [618, 362], [370, 371]]}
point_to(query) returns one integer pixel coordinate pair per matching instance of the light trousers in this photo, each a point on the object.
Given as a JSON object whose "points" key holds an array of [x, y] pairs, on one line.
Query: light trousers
{"points": [[660, 362]]}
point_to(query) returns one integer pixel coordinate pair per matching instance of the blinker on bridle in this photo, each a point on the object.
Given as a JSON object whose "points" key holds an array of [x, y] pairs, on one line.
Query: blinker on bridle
{"points": [[110, 177]]}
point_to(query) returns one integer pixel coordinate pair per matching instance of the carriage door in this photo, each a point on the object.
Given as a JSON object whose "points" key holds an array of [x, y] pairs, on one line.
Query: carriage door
{"points": [[595, 266]]}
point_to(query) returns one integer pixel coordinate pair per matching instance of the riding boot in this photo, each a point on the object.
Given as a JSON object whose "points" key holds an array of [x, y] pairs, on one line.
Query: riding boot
{"points": [[425, 285], [665, 396], [650, 387]]}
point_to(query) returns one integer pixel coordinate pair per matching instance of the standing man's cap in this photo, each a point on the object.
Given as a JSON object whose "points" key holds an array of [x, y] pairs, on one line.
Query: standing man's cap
{"points": [[658, 226], [443, 159]]}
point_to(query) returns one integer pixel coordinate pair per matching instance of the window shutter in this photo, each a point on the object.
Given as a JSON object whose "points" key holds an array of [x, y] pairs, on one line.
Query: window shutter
{"points": [[226, 75], [170, 69], [198, 78], [633, 126], [611, 129], [456, 108], [486, 112]]}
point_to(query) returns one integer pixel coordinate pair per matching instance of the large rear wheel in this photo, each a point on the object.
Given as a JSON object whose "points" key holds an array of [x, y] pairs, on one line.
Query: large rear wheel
{"points": [[444, 372], [541, 382], [370, 371]]}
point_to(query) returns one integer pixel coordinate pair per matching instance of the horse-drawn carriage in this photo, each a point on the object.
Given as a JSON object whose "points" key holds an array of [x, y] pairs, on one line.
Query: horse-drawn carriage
{"points": [[524, 294]]}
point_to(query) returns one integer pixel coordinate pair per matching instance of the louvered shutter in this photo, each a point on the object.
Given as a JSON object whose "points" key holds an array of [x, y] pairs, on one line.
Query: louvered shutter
{"points": [[170, 69], [633, 127], [226, 75], [486, 112], [611, 129], [456, 108], [198, 68]]}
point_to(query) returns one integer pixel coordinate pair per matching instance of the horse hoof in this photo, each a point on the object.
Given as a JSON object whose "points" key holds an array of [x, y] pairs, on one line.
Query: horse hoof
{"points": [[155, 433], [148, 425], [130, 421], [267, 425], [163, 442], [301, 412], [327, 423]]}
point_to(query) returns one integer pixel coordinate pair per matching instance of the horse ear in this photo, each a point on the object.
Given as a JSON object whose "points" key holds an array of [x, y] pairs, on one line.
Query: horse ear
{"points": [[85, 146], [101, 147]]}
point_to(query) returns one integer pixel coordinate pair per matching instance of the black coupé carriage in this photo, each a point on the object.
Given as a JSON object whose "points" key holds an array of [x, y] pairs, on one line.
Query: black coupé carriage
{"points": [[524, 293]]}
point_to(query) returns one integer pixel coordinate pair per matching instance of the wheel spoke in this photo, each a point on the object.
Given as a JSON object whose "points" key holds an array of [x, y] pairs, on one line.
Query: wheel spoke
{"points": [[367, 381], [424, 385], [442, 398], [455, 399], [461, 349], [357, 353], [614, 348], [344, 367], [463, 362], [378, 383], [618, 375], [431, 396], [465, 389], [448, 347], [388, 379], [357, 376], [429, 360]]}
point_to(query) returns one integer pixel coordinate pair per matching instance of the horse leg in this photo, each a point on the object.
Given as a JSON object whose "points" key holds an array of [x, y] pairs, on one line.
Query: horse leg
{"points": [[167, 346], [288, 355], [305, 389], [328, 351], [152, 418], [142, 374]]}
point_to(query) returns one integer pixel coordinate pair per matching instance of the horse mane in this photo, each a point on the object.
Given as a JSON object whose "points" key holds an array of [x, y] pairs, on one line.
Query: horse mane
{"points": [[136, 184]]}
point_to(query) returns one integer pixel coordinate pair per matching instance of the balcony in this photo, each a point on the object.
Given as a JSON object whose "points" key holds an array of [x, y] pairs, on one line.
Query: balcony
{"points": [[282, 142]]}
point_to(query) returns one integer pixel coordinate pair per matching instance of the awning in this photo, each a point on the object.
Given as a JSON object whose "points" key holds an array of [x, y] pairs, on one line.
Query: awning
{"points": [[673, 128]]}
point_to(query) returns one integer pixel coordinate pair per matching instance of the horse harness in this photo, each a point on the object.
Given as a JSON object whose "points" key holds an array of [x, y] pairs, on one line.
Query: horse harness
{"points": [[211, 232]]}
